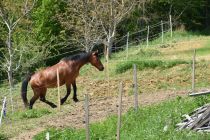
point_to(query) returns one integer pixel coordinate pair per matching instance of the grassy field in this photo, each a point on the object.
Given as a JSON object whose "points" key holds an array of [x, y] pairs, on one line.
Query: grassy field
{"points": [[149, 123], [161, 67]]}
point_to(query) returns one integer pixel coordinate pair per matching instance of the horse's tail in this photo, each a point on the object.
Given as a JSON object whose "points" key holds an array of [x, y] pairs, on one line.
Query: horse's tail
{"points": [[24, 89]]}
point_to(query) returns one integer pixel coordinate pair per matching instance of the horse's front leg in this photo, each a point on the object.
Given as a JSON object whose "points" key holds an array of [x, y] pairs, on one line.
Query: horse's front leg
{"points": [[75, 91], [68, 88]]}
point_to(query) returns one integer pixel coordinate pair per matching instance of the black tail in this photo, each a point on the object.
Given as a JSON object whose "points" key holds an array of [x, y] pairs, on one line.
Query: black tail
{"points": [[24, 89]]}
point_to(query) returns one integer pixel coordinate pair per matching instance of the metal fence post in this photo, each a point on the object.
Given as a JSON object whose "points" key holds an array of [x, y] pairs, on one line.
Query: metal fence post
{"points": [[2, 110]]}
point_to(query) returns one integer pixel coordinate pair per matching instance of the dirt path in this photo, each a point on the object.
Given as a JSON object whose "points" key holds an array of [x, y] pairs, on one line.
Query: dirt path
{"points": [[99, 110]]}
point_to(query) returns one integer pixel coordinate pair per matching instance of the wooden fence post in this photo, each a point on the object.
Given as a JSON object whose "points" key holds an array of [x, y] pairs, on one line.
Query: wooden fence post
{"points": [[135, 87], [2, 110], [119, 110], [107, 66], [147, 36], [193, 70], [59, 96], [87, 116], [108, 78], [171, 26], [127, 46], [162, 29]]}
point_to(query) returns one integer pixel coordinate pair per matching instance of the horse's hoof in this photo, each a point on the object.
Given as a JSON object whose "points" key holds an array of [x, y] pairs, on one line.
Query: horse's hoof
{"points": [[54, 106], [75, 100], [62, 101]]}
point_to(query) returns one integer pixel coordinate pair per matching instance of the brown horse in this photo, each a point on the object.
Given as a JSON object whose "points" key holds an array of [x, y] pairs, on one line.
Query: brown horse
{"points": [[68, 68]]}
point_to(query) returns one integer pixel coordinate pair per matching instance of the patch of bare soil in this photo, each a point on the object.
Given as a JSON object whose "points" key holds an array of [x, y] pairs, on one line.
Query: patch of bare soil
{"points": [[100, 108]]}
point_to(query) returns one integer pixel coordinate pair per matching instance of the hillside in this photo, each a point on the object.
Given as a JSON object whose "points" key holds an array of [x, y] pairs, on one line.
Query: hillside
{"points": [[164, 71]]}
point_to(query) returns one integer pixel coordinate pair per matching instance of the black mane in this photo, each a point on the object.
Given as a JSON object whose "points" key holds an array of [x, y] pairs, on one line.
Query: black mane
{"points": [[77, 57]]}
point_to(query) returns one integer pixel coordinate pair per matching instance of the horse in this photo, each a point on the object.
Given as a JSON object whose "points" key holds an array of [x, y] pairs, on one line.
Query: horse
{"points": [[68, 70]]}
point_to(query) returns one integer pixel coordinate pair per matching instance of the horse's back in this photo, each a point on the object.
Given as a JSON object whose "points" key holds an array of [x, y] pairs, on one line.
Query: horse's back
{"points": [[47, 78]]}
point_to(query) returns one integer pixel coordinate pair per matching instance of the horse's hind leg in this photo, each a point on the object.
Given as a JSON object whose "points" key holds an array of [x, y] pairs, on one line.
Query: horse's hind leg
{"points": [[75, 91], [43, 99], [34, 98], [68, 88], [32, 101]]}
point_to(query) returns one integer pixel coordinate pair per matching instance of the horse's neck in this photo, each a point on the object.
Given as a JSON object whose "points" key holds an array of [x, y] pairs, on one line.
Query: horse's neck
{"points": [[81, 63]]}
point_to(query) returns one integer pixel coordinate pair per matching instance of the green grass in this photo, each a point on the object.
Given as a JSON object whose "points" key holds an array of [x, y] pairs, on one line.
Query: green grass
{"points": [[178, 35], [145, 64], [34, 113], [148, 123], [3, 137]]}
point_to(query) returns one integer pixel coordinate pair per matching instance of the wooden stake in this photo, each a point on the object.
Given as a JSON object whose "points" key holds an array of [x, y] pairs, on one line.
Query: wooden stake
{"points": [[119, 110], [108, 79], [171, 26], [135, 87], [162, 29], [127, 46], [2, 110], [193, 71], [147, 36], [59, 96], [87, 116]]}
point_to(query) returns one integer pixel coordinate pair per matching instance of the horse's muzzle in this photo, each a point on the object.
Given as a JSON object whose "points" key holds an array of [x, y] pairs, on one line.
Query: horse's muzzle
{"points": [[101, 69]]}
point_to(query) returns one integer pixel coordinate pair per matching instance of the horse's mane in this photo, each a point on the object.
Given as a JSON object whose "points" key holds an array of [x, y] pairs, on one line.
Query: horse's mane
{"points": [[79, 56]]}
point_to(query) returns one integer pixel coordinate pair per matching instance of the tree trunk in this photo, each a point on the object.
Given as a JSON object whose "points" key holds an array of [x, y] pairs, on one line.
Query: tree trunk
{"points": [[10, 78], [9, 68], [108, 48]]}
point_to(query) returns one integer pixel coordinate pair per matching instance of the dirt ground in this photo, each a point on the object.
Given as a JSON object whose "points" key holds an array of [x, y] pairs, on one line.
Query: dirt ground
{"points": [[100, 108]]}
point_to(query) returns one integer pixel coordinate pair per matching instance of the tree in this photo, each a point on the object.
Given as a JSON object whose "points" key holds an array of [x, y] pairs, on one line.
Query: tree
{"points": [[180, 10], [11, 13], [110, 14], [46, 26], [94, 22], [10, 19], [80, 24]]}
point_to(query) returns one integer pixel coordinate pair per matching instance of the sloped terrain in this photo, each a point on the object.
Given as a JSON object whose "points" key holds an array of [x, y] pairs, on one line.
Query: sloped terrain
{"points": [[155, 85]]}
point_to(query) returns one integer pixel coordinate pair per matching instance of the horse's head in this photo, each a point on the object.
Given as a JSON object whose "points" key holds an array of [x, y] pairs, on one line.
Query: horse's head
{"points": [[95, 61]]}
